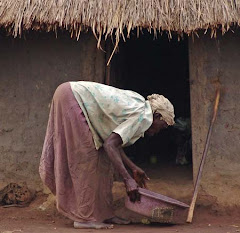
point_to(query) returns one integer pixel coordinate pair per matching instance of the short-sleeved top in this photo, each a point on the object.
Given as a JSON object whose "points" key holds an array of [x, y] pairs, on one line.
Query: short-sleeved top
{"points": [[108, 109]]}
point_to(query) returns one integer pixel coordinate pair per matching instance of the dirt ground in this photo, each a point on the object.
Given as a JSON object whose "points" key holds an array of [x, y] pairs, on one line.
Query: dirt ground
{"points": [[41, 215], [31, 219]]}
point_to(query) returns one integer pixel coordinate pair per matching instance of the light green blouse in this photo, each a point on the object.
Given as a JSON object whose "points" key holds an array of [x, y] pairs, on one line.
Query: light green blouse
{"points": [[108, 109]]}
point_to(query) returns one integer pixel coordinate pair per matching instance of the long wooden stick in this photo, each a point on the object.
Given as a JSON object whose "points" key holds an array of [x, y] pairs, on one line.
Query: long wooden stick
{"points": [[196, 188], [108, 67]]}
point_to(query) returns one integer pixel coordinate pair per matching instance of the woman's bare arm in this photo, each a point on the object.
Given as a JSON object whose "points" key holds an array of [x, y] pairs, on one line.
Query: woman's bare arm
{"points": [[130, 164], [112, 147], [138, 174]]}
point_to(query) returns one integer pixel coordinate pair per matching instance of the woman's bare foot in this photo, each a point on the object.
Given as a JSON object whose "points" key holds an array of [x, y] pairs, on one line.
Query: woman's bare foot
{"points": [[117, 220], [92, 225]]}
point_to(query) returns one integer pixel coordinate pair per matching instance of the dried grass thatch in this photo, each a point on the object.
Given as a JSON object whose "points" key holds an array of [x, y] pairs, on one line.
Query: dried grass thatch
{"points": [[111, 17]]}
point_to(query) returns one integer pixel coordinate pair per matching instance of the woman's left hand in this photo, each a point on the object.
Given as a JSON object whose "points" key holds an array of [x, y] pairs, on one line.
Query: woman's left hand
{"points": [[140, 177]]}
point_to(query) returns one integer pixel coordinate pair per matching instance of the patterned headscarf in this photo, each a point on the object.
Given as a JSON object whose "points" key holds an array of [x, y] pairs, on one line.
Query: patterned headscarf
{"points": [[163, 106]]}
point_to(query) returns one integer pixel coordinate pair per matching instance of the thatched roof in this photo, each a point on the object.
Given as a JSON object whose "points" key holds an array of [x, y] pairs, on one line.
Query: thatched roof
{"points": [[106, 17]]}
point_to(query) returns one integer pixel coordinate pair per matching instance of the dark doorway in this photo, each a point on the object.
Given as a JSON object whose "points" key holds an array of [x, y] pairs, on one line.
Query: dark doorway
{"points": [[147, 65]]}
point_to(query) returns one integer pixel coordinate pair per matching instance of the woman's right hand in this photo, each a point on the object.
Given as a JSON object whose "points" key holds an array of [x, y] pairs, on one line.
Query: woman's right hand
{"points": [[132, 189], [140, 177]]}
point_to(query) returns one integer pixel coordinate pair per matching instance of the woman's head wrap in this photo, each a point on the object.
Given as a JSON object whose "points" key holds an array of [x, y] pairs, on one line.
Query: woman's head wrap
{"points": [[163, 106]]}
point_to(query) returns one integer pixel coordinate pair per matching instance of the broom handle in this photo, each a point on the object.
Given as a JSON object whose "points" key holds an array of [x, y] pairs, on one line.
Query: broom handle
{"points": [[196, 188]]}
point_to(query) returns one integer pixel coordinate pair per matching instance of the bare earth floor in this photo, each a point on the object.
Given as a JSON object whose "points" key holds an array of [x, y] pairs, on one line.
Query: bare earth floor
{"points": [[172, 181], [29, 221]]}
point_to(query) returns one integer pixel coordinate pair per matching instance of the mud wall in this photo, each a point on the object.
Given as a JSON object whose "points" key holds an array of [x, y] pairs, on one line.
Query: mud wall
{"points": [[212, 60], [30, 70]]}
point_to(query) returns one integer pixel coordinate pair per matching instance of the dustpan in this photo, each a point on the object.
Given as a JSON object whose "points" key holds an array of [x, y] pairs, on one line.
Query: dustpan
{"points": [[158, 208]]}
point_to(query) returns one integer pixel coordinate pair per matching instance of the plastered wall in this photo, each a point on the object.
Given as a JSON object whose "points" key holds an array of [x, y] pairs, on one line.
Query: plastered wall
{"points": [[30, 70], [212, 60]]}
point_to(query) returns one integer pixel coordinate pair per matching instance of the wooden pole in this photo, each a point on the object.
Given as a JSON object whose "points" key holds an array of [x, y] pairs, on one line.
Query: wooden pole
{"points": [[196, 188], [108, 66]]}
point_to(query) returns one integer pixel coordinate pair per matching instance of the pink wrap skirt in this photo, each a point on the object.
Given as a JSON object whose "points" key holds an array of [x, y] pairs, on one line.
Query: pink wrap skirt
{"points": [[80, 176]]}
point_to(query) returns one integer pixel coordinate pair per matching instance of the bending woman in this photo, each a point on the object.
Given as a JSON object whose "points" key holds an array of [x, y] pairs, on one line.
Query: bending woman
{"points": [[89, 124]]}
